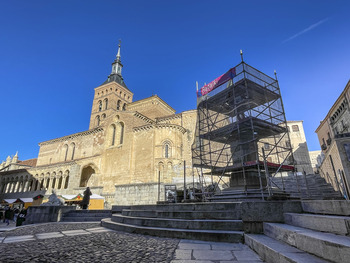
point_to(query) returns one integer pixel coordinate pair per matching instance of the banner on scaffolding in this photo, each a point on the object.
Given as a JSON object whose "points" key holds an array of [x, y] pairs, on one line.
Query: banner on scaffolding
{"points": [[216, 82]]}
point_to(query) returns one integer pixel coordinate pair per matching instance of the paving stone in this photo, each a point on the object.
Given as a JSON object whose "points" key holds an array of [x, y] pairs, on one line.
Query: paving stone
{"points": [[18, 239], [98, 230], [75, 232], [49, 235], [183, 254], [194, 246], [212, 255], [246, 255], [227, 246]]}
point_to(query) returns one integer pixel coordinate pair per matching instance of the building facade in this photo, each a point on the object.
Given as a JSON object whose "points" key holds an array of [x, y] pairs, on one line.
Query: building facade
{"points": [[334, 138], [129, 151], [299, 146]]}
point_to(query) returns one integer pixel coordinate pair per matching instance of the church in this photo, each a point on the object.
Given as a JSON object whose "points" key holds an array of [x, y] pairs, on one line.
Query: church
{"points": [[131, 152]]}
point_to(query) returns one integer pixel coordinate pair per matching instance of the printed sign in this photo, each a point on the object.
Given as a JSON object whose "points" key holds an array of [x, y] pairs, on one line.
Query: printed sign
{"points": [[217, 82]]}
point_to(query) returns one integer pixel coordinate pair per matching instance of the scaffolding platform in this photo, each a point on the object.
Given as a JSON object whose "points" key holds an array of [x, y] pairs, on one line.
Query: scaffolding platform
{"points": [[241, 130]]}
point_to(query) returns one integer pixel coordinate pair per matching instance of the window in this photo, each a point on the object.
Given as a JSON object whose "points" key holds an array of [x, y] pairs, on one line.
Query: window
{"points": [[97, 120], [266, 146], [166, 154], [124, 106], [65, 152], [73, 150], [121, 133], [295, 128], [99, 105], [112, 131], [167, 149], [118, 105], [106, 103]]}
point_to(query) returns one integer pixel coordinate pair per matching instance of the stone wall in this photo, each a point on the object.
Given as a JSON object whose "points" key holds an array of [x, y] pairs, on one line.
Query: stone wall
{"points": [[138, 194], [43, 214]]}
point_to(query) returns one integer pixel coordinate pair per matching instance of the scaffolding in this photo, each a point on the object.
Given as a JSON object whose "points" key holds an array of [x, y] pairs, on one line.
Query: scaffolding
{"points": [[242, 138]]}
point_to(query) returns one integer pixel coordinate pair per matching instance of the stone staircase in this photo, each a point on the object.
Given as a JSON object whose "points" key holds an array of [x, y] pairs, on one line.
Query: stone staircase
{"points": [[229, 195], [320, 234], [203, 221], [85, 215], [223, 222], [311, 186]]}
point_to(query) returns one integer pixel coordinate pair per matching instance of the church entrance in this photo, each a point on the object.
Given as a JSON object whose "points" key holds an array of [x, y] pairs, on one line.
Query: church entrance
{"points": [[86, 175]]}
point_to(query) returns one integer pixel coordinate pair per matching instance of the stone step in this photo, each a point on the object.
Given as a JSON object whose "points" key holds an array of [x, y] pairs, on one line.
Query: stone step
{"points": [[189, 207], [236, 225], [327, 207], [75, 214], [233, 214], [81, 219], [205, 235], [332, 224], [273, 251], [328, 246]]}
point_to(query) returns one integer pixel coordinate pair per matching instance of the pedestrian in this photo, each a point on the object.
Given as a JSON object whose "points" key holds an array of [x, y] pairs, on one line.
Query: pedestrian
{"points": [[15, 214], [86, 199], [8, 214], [21, 217]]}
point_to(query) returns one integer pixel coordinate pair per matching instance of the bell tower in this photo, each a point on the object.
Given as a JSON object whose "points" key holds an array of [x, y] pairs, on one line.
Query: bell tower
{"points": [[112, 96]]}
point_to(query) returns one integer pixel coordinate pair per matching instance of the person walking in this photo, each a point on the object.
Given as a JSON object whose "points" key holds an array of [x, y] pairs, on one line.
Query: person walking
{"points": [[86, 199], [8, 215]]}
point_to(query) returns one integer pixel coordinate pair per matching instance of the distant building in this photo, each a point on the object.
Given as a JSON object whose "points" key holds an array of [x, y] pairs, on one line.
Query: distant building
{"points": [[299, 146], [334, 138], [316, 160]]}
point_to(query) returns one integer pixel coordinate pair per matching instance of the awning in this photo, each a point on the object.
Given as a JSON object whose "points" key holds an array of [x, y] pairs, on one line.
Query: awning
{"points": [[95, 196], [26, 200], [10, 201], [77, 197]]}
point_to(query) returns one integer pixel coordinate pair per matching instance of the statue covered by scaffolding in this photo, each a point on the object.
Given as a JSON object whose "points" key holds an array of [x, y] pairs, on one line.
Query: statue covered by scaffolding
{"points": [[242, 139]]}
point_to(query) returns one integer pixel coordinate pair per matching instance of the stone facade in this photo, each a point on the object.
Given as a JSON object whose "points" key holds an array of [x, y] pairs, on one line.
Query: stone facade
{"points": [[316, 158], [127, 147], [334, 138], [299, 146]]}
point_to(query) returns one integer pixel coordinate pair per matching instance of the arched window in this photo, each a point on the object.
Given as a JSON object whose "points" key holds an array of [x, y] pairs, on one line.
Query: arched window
{"points": [[99, 105], [124, 106], [112, 132], [41, 186], [97, 120], [118, 105], [47, 183], [167, 149], [166, 152], [106, 103], [53, 182], [67, 180], [103, 116], [120, 132], [60, 182], [65, 152], [72, 146]]}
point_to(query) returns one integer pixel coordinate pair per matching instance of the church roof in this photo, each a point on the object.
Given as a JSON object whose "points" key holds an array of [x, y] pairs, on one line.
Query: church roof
{"points": [[115, 78]]}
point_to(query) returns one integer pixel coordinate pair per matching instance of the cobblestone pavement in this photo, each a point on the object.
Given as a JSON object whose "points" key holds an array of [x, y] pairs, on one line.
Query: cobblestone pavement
{"points": [[83, 245], [89, 242]]}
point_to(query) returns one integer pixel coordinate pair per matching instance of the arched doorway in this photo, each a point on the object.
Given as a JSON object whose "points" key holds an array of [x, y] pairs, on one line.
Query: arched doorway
{"points": [[86, 175]]}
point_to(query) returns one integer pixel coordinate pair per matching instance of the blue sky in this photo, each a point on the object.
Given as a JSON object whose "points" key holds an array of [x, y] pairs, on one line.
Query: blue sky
{"points": [[54, 53]]}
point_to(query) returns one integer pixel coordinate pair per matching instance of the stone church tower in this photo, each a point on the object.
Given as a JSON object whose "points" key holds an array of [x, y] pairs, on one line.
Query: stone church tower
{"points": [[129, 148]]}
